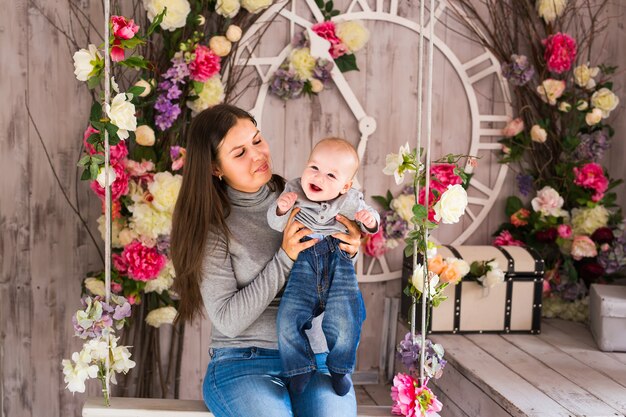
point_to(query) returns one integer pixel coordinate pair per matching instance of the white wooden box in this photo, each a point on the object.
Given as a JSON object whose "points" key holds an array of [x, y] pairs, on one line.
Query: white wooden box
{"points": [[607, 310], [511, 307]]}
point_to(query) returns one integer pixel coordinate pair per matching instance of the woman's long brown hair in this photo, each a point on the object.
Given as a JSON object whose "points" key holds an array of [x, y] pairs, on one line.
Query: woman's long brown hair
{"points": [[202, 204]]}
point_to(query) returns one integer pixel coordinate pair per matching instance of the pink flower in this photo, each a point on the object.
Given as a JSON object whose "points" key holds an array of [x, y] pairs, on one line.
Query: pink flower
{"points": [[138, 169], [119, 186], [591, 176], [376, 244], [116, 209], [178, 155], [583, 247], [444, 176], [560, 52], [117, 152], [117, 52], [505, 238], [429, 405], [116, 287], [564, 230], [143, 263], [205, 65], [122, 28], [119, 264], [403, 395], [338, 50], [326, 30], [513, 128], [520, 217]]}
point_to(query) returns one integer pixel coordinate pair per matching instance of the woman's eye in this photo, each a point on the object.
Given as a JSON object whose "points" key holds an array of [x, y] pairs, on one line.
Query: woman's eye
{"points": [[257, 142], [241, 154]]}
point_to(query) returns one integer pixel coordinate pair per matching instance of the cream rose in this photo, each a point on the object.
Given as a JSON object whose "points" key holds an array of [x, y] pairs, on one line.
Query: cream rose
{"points": [[148, 222], [220, 45], [493, 277], [163, 281], [353, 34], [101, 178], [403, 205], [146, 86], [538, 134], [513, 127], [549, 10], [255, 6], [122, 114], [593, 117], [165, 188], [550, 90], [144, 135], [302, 62], [126, 236], [227, 8], [605, 100], [451, 205], [418, 281], [462, 266], [583, 76], [587, 220], [233, 33], [316, 85], [548, 202], [582, 105], [565, 107], [160, 316], [583, 247], [212, 94], [85, 61], [176, 16]]}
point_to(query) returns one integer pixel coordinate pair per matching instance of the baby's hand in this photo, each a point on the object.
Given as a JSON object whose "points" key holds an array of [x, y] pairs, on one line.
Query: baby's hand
{"points": [[366, 218], [285, 202]]}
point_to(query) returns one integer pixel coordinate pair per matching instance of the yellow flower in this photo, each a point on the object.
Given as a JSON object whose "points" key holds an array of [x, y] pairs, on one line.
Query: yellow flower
{"points": [[583, 76], [549, 10], [212, 94], [227, 8], [605, 100], [159, 316], [163, 281], [353, 34], [403, 205], [538, 134], [144, 136], [233, 33], [586, 221], [302, 63], [176, 16], [148, 222], [550, 90], [255, 6], [164, 189]]}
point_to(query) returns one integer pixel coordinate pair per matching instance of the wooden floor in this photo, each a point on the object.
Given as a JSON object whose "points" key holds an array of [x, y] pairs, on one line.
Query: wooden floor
{"points": [[559, 372]]}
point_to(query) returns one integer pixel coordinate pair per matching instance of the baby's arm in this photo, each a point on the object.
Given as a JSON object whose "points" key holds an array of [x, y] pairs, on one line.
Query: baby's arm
{"points": [[285, 203], [278, 212], [366, 218]]}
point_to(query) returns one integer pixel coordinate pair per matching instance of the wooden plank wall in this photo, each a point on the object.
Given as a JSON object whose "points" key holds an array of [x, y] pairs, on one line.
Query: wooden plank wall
{"points": [[45, 250]]}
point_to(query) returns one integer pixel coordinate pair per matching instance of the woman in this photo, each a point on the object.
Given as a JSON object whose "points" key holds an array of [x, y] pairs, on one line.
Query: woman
{"points": [[227, 258]]}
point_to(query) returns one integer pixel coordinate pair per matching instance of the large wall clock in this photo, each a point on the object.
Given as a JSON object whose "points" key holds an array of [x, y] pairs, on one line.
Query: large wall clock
{"points": [[471, 88]]}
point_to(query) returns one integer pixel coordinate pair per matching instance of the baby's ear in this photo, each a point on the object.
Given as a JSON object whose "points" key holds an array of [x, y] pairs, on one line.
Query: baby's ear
{"points": [[346, 187]]}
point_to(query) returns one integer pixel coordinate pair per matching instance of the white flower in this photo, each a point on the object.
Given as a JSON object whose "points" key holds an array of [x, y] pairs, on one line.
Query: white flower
{"points": [[493, 277], [95, 286], [165, 188], [126, 236], [548, 202], [144, 136], [451, 205], [146, 85], [403, 205], [255, 6], [233, 33], [418, 281], [85, 61], [431, 247], [586, 221], [122, 114], [101, 178], [538, 134], [220, 45], [316, 85], [121, 358], [550, 90], [593, 117], [176, 16], [148, 222], [582, 105], [461, 266], [75, 375], [98, 349], [353, 34], [163, 281], [302, 62], [394, 161], [583, 76], [227, 8], [605, 100], [549, 10], [163, 315], [212, 94], [565, 107]]}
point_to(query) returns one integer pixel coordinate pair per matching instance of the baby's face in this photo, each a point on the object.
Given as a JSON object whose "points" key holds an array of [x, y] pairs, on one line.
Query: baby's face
{"points": [[328, 173]]}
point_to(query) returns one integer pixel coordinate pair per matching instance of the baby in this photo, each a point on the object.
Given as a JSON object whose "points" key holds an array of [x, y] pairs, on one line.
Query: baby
{"points": [[323, 276]]}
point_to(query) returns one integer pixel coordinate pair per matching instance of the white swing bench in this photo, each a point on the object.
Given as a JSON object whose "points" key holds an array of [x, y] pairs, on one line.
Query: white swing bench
{"points": [[151, 407]]}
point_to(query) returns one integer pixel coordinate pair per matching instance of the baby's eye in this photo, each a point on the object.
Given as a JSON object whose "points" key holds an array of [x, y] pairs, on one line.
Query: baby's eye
{"points": [[332, 176], [314, 168]]}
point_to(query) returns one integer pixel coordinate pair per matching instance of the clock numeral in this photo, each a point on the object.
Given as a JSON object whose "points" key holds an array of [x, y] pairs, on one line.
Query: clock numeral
{"points": [[364, 6], [490, 131], [475, 62]]}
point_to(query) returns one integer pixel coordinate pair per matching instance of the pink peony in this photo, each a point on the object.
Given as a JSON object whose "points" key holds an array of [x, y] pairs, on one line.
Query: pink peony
{"points": [[591, 176], [513, 128], [327, 30], [520, 217], [443, 176], [117, 152], [205, 65], [122, 28], [119, 186], [117, 52], [564, 230], [338, 50], [560, 52], [403, 395], [376, 244], [583, 247], [429, 405], [143, 263], [119, 264], [505, 238]]}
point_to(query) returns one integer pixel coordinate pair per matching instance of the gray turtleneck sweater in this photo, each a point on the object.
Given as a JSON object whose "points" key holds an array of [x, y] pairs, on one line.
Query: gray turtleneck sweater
{"points": [[240, 286]]}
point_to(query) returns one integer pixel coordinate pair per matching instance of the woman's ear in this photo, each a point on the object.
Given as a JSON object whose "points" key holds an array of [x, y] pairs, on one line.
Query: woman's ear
{"points": [[216, 172]]}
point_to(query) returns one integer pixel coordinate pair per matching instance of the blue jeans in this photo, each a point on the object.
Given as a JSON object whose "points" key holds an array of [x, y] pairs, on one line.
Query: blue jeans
{"points": [[248, 382], [322, 279]]}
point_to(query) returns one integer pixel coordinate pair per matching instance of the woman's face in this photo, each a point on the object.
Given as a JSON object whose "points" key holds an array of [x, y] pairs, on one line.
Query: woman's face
{"points": [[244, 158]]}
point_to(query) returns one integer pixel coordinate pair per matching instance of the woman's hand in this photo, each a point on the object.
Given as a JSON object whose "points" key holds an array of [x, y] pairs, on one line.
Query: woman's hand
{"points": [[292, 235], [352, 239]]}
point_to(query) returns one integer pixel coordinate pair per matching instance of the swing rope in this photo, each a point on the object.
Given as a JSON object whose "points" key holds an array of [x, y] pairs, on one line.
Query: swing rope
{"points": [[107, 185]]}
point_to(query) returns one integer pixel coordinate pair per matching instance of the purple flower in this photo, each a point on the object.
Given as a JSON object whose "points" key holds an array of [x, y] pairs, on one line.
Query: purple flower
{"points": [[285, 85], [524, 184], [614, 258], [592, 146], [174, 92], [167, 111], [122, 311], [322, 70], [519, 71], [163, 241], [300, 40], [409, 354], [394, 226]]}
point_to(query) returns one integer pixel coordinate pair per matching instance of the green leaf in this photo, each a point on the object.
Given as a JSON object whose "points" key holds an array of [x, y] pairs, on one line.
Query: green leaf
{"points": [[198, 87], [334, 13], [319, 4], [99, 126], [513, 204], [382, 201], [93, 171], [144, 152], [84, 160], [329, 6], [156, 22], [94, 138], [85, 175], [98, 158], [346, 63], [135, 62], [93, 82], [96, 112], [136, 90], [420, 211], [408, 250], [132, 42]]}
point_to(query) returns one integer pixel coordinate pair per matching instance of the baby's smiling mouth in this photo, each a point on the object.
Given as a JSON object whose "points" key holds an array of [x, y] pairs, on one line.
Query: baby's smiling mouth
{"points": [[314, 187]]}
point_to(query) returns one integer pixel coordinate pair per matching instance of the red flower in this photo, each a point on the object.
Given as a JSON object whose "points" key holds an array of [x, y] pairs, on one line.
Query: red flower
{"points": [[117, 52], [205, 65], [122, 28], [119, 186], [603, 235], [375, 244], [591, 176], [547, 236], [143, 263], [590, 272], [520, 217], [560, 52]]}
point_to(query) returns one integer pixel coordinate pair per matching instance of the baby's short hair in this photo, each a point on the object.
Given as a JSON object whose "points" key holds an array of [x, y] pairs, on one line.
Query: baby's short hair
{"points": [[340, 143]]}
